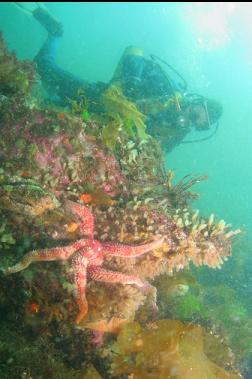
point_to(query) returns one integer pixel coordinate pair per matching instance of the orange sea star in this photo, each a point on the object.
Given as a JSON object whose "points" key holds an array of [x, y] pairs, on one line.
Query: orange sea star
{"points": [[88, 257]]}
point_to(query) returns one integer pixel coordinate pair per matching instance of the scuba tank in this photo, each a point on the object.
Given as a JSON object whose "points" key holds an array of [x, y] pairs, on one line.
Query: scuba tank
{"points": [[129, 71], [140, 77]]}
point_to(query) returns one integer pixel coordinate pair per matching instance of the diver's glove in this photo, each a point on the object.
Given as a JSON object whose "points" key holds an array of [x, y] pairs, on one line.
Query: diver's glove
{"points": [[53, 26]]}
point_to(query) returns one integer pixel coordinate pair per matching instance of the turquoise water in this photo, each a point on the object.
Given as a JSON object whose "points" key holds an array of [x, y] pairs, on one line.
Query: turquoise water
{"points": [[210, 45]]}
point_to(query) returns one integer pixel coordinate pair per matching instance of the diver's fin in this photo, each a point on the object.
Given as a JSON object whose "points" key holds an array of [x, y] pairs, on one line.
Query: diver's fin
{"points": [[29, 7], [39, 11], [46, 19]]}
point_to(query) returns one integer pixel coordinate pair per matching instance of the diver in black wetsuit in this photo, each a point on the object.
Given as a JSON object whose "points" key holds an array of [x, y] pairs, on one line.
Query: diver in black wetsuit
{"points": [[170, 113]]}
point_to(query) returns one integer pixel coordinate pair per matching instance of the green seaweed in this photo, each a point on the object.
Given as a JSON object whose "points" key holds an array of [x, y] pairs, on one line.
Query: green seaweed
{"points": [[111, 132], [116, 103], [85, 115], [189, 307], [6, 238], [16, 77]]}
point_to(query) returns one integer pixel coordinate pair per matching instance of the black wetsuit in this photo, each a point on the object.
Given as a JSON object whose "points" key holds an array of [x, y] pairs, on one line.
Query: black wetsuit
{"points": [[60, 84], [139, 79]]}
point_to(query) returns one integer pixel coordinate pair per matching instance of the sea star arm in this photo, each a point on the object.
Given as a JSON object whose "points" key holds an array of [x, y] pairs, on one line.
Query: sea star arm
{"points": [[87, 219], [127, 251], [101, 275], [54, 254], [80, 279]]}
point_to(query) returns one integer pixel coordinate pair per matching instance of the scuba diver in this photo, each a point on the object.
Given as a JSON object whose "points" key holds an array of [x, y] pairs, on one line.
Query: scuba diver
{"points": [[170, 112]]}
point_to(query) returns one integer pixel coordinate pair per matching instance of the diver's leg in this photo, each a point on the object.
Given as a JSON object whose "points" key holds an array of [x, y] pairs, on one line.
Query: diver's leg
{"points": [[49, 72], [55, 30], [60, 84], [48, 51]]}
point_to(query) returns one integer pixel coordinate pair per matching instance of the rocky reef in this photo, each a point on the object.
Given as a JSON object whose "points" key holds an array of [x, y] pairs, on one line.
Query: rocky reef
{"points": [[110, 166]]}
